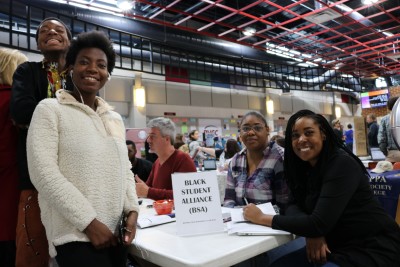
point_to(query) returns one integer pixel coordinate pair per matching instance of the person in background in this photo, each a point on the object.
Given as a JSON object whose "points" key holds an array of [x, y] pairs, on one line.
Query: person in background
{"points": [[337, 129], [373, 129], [81, 196], [9, 192], [152, 157], [231, 148], [170, 160], [239, 142], [385, 137], [349, 137], [255, 174], [140, 167], [218, 145], [32, 82], [197, 152], [332, 203], [279, 140], [180, 143]]}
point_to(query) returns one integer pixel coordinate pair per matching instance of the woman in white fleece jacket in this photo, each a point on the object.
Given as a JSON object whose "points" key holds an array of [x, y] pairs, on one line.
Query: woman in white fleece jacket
{"points": [[78, 162]]}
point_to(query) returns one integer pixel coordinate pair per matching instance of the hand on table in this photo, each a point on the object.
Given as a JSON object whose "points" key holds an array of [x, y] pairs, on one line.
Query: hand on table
{"points": [[141, 187], [99, 235], [317, 249]]}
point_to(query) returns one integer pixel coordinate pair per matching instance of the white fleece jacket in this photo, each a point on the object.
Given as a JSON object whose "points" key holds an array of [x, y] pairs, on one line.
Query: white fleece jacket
{"points": [[78, 162]]}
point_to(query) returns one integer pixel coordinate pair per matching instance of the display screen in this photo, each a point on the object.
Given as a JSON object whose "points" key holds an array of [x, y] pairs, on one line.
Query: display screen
{"points": [[374, 99]]}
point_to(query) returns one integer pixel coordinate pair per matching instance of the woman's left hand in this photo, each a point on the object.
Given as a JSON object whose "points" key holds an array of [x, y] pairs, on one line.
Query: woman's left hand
{"points": [[252, 213], [317, 249], [130, 230]]}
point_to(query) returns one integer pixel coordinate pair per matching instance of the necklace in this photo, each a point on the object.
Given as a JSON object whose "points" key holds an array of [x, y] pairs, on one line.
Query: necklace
{"points": [[54, 78]]}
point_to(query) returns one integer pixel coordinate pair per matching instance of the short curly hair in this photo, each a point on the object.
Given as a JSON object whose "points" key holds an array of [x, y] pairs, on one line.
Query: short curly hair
{"points": [[92, 39]]}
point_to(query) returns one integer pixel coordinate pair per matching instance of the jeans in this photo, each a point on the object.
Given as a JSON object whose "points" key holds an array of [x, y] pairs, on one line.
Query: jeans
{"points": [[298, 258], [267, 258]]}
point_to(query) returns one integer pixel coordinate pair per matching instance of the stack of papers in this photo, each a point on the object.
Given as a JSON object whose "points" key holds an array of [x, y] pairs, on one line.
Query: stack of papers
{"points": [[148, 221], [240, 226]]}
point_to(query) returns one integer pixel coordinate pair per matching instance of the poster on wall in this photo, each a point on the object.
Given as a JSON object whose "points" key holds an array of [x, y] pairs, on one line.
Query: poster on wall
{"points": [[138, 136], [208, 129]]}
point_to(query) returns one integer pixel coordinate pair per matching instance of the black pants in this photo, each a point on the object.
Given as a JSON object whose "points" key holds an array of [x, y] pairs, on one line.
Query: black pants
{"points": [[76, 254]]}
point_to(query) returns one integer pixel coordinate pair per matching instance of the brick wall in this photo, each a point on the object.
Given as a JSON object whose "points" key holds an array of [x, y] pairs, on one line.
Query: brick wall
{"points": [[382, 111]]}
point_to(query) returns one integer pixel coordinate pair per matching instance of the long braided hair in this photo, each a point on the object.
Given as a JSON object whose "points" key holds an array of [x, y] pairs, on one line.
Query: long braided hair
{"points": [[296, 170]]}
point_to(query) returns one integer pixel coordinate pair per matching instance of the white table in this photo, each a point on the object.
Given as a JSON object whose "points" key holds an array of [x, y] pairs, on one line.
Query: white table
{"points": [[161, 245]]}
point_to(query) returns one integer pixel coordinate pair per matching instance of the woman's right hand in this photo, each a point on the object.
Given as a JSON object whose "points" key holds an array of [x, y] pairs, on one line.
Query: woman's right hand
{"points": [[99, 235]]}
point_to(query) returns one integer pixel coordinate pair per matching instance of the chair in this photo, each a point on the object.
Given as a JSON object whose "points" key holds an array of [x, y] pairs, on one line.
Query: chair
{"points": [[396, 166]]}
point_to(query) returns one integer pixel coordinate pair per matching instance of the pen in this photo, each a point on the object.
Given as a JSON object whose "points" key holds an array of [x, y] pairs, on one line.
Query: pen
{"points": [[245, 200]]}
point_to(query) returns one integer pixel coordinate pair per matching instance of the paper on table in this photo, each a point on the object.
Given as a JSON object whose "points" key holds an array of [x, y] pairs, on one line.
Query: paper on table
{"points": [[243, 228], [266, 208], [154, 220], [240, 226]]}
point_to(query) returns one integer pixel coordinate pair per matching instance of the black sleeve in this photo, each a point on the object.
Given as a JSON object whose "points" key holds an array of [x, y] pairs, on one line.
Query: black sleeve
{"points": [[218, 153], [339, 183], [373, 133], [24, 95]]}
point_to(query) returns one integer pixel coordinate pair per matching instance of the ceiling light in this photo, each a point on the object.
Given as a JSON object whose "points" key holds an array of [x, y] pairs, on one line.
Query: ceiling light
{"points": [[369, 2], [389, 34], [125, 4], [249, 31]]}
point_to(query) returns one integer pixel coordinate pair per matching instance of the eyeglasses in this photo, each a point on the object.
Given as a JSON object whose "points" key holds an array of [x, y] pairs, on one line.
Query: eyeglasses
{"points": [[255, 128]]}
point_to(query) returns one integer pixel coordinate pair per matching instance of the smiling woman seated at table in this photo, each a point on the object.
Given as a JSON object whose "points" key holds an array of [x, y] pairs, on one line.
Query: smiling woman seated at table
{"points": [[333, 205]]}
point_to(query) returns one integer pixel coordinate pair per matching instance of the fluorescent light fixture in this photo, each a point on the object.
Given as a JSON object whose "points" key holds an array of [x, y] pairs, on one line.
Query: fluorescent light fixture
{"points": [[369, 2], [307, 64], [345, 75], [59, 1], [249, 31], [140, 97], [389, 34], [282, 48], [125, 5]]}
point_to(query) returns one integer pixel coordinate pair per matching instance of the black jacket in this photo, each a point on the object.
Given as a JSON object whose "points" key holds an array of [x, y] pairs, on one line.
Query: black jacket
{"points": [[29, 87]]}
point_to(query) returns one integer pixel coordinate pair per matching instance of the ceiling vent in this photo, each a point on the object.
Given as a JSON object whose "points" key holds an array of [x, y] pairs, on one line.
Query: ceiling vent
{"points": [[323, 16]]}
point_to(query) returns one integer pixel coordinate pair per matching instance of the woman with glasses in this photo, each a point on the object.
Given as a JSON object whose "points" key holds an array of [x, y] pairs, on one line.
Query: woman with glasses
{"points": [[255, 174]]}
